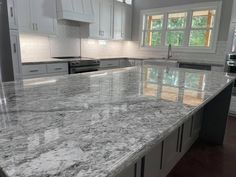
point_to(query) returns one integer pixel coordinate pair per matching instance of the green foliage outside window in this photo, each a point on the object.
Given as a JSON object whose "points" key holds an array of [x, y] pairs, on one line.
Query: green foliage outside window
{"points": [[200, 34]]}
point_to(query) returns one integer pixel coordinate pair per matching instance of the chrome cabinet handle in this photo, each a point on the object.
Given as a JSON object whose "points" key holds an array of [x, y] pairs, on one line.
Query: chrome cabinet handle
{"points": [[34, 71], [14, 47], [58, 69], [11, 11]]}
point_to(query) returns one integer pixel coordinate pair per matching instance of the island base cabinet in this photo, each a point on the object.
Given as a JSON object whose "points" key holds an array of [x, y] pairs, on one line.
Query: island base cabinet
{"points": [[133, 170], [171, 155], [153, 162], [129, 172], [162, 158]]}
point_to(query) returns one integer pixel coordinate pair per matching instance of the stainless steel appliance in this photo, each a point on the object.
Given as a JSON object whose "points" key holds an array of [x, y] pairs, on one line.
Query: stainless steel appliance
{"points": [[81, 65], [231, 67]]}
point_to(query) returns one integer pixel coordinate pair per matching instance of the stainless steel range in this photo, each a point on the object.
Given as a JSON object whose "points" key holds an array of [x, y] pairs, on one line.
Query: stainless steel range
{"points": [[81, 65]]}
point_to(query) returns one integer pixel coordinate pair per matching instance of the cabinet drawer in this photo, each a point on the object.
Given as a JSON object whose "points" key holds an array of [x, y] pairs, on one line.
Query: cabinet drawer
{"points": [[34, 69], [57, 68], [110, 63]]}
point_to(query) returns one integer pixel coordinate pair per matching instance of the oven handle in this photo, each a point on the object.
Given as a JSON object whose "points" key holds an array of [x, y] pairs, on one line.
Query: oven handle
{"points": [[231, 63]]}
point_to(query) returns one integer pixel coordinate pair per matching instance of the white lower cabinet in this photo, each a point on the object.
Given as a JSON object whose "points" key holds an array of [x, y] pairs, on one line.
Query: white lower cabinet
{"points": [[43, 70], [108, 64], [34, 70], [57, 68]]}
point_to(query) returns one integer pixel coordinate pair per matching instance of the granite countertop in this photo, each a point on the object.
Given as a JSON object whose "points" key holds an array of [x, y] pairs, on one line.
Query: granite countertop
{"points": [[53, 60], [95, 124]]}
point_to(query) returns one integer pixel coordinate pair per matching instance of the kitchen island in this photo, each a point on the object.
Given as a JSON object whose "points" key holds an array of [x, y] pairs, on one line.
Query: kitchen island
{"points": [[130, 122]]}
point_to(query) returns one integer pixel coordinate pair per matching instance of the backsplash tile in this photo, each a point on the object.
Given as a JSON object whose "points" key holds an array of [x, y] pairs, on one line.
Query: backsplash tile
{"points": [[34, 47]]}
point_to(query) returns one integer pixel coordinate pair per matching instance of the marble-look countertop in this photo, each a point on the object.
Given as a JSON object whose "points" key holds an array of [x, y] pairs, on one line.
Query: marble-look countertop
{"points": [[95, 124], [53, 60]]}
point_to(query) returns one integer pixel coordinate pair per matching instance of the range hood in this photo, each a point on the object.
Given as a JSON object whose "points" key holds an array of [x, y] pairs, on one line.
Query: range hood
{"points": [[75, 10]]}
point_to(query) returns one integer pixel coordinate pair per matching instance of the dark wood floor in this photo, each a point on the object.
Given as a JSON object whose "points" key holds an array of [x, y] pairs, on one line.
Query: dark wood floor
{"points": [[210, 161]]}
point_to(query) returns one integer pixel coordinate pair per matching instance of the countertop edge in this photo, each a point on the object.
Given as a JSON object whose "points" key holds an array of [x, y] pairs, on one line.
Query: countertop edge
{"points": [[147, 147]]}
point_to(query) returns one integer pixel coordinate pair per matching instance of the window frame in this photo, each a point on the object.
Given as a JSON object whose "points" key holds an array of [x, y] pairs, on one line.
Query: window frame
{"points": [[189, 9]]}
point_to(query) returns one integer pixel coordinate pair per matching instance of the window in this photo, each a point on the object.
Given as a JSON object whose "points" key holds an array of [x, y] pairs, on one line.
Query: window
{"points": [[192, 27], [153, 34], [175, 28], [201, 28]]}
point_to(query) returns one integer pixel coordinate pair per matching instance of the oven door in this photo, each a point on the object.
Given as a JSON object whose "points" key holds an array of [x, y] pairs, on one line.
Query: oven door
{"points": [[75, 70]]}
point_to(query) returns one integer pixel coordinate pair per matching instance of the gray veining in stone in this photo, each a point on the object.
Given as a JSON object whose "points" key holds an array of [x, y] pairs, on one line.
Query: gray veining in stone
{"points": [[95, 124]]}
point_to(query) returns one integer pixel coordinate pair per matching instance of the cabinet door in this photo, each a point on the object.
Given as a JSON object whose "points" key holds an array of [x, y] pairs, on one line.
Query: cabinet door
{"points": [[129, 172], [24, 18], [78, 6], [118, 20], [197, 123], [88, 9], [12, 11], [171, 151], [153, 162], [127, 22], [43, 15], [106, 19], [94, 27], [16, 56], [187, 137]]}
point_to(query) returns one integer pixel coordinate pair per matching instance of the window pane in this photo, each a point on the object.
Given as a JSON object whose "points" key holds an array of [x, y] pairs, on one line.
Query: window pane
{"points": [[175, 38], [200, 38], [154, 22], [152, 39], [203, 19], [177, 20]]}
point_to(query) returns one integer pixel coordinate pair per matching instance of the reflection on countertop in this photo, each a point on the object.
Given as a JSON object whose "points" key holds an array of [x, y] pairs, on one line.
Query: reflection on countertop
{"points": [[94, 124]]}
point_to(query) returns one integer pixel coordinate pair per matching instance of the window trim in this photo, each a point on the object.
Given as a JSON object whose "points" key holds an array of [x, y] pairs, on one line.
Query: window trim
{"points": [[184, 8]]}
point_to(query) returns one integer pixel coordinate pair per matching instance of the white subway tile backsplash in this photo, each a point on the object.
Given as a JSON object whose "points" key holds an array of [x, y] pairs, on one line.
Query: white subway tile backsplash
{"points": [[34, 47]]}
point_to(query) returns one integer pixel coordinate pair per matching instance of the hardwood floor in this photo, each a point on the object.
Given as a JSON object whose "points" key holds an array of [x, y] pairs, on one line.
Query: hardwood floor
{"points": [[204, 160]]}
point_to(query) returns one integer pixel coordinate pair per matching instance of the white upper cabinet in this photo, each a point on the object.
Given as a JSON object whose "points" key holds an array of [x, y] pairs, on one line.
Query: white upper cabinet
{"points": [[24, 20], [76, 10], [37, 16], [102, 28], [233, 18], [12, 14], [106, 19], [122, 21]]}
